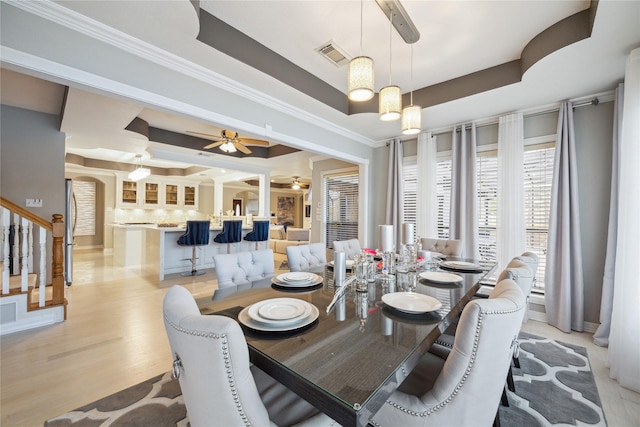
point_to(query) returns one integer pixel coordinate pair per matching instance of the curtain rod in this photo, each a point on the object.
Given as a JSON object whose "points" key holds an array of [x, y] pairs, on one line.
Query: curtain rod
{"points": [[594, 102]]}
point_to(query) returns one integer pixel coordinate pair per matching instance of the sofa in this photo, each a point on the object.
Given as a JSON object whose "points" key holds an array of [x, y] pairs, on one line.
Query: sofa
{"points": [[279, 239]]}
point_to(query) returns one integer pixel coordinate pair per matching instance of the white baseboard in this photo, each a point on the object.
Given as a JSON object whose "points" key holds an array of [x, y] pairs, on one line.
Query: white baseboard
{"points": [[538, 316]]}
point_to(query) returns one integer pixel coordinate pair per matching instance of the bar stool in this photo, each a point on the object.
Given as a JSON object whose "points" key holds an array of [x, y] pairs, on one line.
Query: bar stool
{"points": [[260, 233], [197, 234], [231, 233]]}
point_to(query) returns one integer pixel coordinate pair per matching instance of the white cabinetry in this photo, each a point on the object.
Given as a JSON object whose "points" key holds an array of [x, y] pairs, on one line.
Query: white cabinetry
{"points": [[155, 192]]}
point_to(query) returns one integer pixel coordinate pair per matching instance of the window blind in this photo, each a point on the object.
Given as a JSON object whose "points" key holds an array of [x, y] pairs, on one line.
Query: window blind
{"points": [[443, 195], [341, 201], [409, 176], [538, 178], [487, 186]]}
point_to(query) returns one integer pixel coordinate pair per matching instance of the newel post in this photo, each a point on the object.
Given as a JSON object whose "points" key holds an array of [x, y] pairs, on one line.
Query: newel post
{"points": [[57, 265]]}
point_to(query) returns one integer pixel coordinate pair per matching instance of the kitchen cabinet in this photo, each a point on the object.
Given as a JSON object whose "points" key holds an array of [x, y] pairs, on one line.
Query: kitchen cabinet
{"points": [[151, 194], [128, 195], [156, 193]]}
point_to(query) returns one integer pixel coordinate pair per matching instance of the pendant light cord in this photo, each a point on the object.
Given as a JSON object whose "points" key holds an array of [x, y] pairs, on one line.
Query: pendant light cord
{"points": [[361, 12], [390, 32], [412, 74]]}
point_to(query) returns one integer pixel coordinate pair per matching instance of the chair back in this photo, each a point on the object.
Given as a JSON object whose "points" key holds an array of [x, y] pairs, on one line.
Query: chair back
{"points": [[197, 233], [211, 360], [231, 232], [244, 270], [531, 259], [520, 273], [260, 232], [311, 257], [350, 247], [451, 247]]}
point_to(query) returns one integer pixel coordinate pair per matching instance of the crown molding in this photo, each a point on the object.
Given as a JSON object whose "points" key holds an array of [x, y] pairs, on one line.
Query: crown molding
{"points": [[82, 24]]}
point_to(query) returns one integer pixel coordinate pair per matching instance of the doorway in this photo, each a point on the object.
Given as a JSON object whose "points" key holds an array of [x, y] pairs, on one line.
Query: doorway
{"points": [[237, 207]]}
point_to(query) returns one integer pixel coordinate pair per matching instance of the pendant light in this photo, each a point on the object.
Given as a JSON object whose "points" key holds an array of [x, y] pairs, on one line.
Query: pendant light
{"points": [[390, 97], [360, 78], [139, 172], [412, 114]]}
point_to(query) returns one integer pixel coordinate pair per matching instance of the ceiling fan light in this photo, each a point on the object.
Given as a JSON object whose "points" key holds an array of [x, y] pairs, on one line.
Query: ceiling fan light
{"points": [[411, 120], [228, 147], [390, 103], [360, 83], [296, 184]]}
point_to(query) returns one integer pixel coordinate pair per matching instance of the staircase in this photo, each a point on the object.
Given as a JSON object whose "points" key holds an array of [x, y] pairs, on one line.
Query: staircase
{"points": [[31, 296]]}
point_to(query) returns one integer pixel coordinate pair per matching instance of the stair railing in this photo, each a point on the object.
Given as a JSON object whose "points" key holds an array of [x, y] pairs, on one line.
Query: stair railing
{"points": [[23, 254]]}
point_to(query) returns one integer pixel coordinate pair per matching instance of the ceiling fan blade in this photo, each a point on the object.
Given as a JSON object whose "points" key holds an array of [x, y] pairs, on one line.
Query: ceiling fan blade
{"points": [[214, 144], [254, 141], [207, 135], [241, 147]]}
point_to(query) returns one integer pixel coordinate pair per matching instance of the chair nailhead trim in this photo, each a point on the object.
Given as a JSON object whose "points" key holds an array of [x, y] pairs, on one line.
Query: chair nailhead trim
{"points": [[460, 384], [227, 362]]}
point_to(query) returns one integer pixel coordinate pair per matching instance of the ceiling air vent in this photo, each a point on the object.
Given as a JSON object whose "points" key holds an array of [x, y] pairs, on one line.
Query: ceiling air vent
{"points": [[333, 54]]}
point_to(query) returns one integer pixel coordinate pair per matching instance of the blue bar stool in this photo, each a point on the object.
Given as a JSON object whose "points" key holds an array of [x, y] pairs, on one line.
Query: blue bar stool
{"points": [[197, 234], [260, 233], [231, 233]]}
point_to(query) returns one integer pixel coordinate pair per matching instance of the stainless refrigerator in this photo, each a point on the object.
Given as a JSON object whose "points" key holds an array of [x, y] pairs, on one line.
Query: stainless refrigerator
{"points": [[69, 228]]}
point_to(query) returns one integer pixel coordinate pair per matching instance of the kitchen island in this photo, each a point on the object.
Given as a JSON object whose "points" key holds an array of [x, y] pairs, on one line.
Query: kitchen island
{"points": [[156, 248]]}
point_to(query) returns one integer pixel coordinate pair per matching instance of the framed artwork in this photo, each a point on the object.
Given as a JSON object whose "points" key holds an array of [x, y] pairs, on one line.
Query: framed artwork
{"points": [[286, 210]]}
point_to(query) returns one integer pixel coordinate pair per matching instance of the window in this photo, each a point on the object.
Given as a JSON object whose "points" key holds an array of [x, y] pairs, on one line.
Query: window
{"points": [[409, 176], [341, 201], [538, 177], [443, 196], [487, 187]]}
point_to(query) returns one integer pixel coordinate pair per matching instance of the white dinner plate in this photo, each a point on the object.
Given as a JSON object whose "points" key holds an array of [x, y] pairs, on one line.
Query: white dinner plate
{"points": [[316, 281], [243, 317], [348, 263], [411, 302], [296, 276], [281, 309], [289, 310], [461, 265], [440, 277]]}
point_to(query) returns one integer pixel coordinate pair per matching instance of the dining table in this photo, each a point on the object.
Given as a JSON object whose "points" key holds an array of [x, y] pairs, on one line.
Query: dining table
{"points": [[346, 362]]}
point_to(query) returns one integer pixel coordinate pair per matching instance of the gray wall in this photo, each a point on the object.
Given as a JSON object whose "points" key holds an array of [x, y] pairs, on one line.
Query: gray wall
{"points": [[32, 159]]}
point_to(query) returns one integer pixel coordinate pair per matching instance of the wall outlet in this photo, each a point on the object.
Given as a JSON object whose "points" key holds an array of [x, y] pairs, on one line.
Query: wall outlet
{"points": [[34, 203]]}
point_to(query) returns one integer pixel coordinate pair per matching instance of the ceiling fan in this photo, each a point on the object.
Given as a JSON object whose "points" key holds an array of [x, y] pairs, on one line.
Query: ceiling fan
{"points": [[230, 141]]}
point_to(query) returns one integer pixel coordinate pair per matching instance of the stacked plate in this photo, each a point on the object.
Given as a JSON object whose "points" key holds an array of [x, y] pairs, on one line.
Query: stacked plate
{"points": [[411, 302], [461, 265], [297, 279], [278, 314], [440, 277], [348, 264]]}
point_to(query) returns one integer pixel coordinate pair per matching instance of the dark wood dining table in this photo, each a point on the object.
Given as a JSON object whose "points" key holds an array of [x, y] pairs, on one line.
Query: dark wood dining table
{"points": [[348, 361]]}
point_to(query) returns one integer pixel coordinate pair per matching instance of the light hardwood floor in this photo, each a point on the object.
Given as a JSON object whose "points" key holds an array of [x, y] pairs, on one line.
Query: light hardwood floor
{"points": [[114, 337]]}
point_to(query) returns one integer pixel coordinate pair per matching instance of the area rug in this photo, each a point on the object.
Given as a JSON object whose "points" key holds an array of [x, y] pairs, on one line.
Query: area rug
{"points": [[554, 386]]}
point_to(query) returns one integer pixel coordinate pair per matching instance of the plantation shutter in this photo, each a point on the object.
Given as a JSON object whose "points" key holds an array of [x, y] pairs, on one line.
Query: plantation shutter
{"points": [[443, 195], [487, 185], [409, 174], [538, 177], [341, 201]]}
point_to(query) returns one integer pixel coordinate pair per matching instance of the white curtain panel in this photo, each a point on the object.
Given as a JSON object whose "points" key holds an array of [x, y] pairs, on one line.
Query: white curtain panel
{"points": [[564, 285], [601, 336], [427, 202], [463, 215], [624, 339], [395, 203], [510, 231]]}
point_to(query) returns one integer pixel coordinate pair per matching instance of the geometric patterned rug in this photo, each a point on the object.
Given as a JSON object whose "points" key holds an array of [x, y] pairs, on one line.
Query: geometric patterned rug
{"points": [[554, 386]]}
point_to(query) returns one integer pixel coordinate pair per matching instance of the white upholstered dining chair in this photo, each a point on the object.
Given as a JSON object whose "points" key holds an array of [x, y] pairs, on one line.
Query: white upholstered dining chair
{"points": [[243, 270], [465, 389], [311, 257], [350, 247], [451, 247], [218, 383]]}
